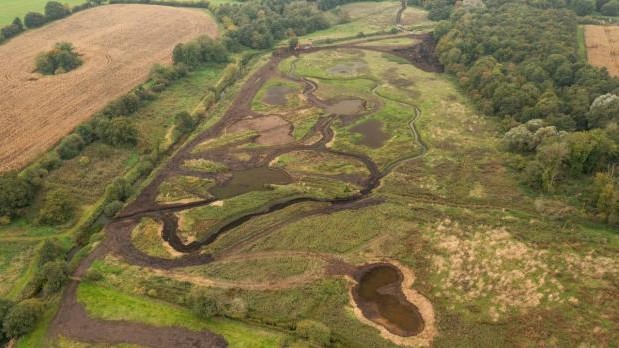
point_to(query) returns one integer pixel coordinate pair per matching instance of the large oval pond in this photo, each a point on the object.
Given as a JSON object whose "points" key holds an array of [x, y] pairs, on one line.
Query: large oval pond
{"points": [[380, 297]]}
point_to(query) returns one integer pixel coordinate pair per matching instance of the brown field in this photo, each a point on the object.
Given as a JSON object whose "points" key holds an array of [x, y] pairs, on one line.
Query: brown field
{"points": [[118, 43], [602, 47]]}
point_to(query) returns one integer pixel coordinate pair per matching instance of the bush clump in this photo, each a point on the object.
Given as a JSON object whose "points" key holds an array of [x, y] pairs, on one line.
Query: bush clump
{"points": [[112, 208], [57, 208], [13, 29], [35, 20], [22, 318], [55, 10], [315, 331], [59, 60], [204, 306], [15, 193]]}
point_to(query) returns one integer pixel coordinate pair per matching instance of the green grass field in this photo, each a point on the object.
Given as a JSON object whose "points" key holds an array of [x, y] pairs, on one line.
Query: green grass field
{"points": [[106, 303], [9, 9], [582, 47]]}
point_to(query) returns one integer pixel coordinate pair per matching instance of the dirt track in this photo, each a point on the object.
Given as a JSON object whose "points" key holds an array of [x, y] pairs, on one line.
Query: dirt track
{"points": [[118, 43]]}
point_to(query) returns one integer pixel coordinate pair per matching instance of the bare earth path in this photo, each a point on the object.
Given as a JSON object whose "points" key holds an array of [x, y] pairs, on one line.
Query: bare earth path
{"points": [[118, 43]]}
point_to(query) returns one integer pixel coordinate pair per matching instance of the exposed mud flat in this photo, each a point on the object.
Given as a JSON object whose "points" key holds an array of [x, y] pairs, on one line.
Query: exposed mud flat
{"points": [[346, 107], [277, 95], [373, 134], [273, 130]]}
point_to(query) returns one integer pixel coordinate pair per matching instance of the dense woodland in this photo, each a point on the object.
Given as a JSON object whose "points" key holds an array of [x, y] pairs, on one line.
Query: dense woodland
{"points": [[519, 62]]}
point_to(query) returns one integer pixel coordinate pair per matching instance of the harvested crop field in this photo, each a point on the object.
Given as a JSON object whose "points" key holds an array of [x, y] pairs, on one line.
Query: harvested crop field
{"points": [[602, 44], [118, 43]]}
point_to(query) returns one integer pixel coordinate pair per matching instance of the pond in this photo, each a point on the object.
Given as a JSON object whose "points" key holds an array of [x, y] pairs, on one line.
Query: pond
{"points": [[380, 297], [247, 180]]}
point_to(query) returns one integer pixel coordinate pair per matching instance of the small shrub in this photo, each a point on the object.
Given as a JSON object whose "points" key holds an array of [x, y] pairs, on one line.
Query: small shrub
{"points": [[84, 161], [50, 251], [57, 208], [34, 20], [22, 318], [15, 193], [5, 307], [112, 208], [70, 146], [55, 10], [53, 276], [12, 30], [87, 133], [316, 332], [237, 308], [119, 190], [51, 161], [145, 167], [117, 132], [61, 59], [204, 306], [184, 122], [93, 275]]}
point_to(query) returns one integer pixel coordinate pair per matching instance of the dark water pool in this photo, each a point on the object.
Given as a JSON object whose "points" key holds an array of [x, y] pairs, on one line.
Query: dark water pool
{"points": [[253, 179], [380, 297], [373, 134]]}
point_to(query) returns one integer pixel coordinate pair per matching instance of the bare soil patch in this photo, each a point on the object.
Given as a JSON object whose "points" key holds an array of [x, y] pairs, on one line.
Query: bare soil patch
{"points": [[602, 44], [273, 129], [118, 43]]}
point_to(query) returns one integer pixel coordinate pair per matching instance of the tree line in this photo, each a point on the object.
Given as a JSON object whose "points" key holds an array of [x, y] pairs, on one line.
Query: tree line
{"points": [[54, 10], [519, 62], [260, 24]]}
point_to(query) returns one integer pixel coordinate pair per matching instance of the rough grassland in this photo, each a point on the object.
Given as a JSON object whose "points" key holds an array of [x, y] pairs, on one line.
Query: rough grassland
{"points": [[38, 110]]}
